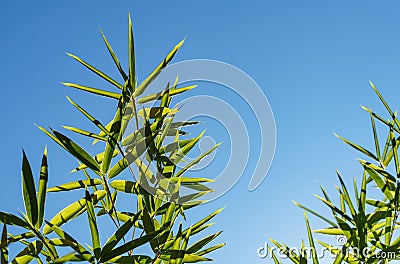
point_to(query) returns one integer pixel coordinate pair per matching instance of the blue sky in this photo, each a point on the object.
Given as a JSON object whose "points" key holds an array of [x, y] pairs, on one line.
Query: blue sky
{"points": [[313, 60]]}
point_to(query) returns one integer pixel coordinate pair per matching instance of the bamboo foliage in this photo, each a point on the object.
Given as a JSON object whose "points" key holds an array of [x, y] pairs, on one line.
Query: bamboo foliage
{"points": [[365, 221], [146, 164]]}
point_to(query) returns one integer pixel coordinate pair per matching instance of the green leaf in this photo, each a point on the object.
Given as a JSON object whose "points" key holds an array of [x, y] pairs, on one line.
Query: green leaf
{"points": [[114, 57], [29, 191], [72, 211], [134, 259], [330, 231], [199, 224], [385, 104], [135, 152], [71, 257], [28, 253], [359, 148], [19, 237], [157, 112], [202, 243], [197, 160], [159, 95], [210, 249], [315, 213], [93, 90], [77, 151], [128, 187], [311, 241], [98, 158], [93, 225], [381, 184], [96, 71], [42, 189], [286, 250], [142, 87], [75, 185], [119, 234], [335, 209], [132, 66], [85, 133], [4, 248], [11, 219], [377, 148], [113, 139], [69, 241], [130, 245], [188, 258], [89, 116]]}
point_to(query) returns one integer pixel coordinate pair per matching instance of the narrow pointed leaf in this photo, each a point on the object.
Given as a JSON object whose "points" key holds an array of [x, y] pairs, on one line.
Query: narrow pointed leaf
{"points": [[159, 95], [93, 90], [142, 87], [96, 71], [77, 151], [29, 253], [93, 225], [42, 189], [72, 211], [75, 185], [29, 191], [114, 57]]}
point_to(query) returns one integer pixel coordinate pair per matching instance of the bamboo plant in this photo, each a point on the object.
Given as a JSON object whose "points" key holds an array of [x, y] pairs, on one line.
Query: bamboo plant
{"points": [[147, 165], [365, 221]]}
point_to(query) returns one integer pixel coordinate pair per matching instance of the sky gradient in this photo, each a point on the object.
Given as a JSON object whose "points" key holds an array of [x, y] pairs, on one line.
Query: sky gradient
{"points": [[313, 60]]}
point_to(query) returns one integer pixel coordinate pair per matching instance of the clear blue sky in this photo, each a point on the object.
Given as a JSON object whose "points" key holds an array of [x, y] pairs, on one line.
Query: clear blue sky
{"points": [[313, 59]]}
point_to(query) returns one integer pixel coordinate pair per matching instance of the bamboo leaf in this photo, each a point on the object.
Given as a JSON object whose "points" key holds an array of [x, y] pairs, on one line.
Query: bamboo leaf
{"points": [[29, 191], [311, 241], [114, 57], [130, 245], [196, 160], [75, 185], [96, 71], [381, 184], [385, 104], [119, 234], [28, 253], [210, 249], [159, 95], [132, 66], [135, 152], [42, 189], [4, 248], [69, 241], [98, 158], [93, 90], [11, 219], [157, 112], [85, 133], [128, 187], [93, 225], [134, 259], [359, 148], [315, 213], [71, 257], [77, 151], [89, 116], [202, 243], [142, 87], [113, 138], [72, 211]]}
